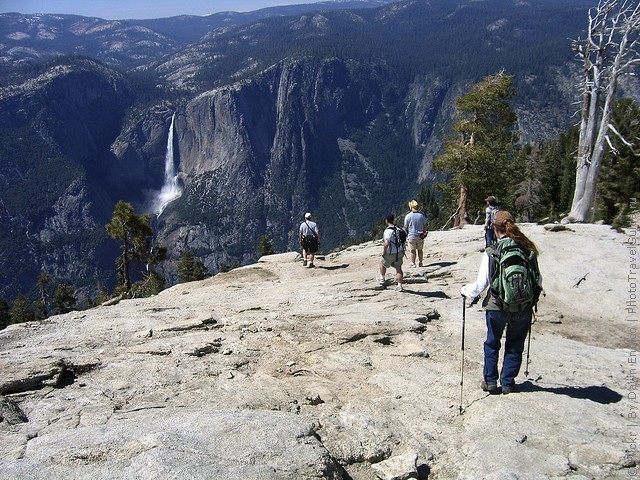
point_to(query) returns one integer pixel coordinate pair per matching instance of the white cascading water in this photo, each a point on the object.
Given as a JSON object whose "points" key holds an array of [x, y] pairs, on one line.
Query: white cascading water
{"points": [[171, 188]]}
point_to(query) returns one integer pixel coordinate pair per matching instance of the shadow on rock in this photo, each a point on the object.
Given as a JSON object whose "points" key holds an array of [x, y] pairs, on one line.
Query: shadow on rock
{"points": [[441, 264], [603, 395], [335, 267], [438, 294]]}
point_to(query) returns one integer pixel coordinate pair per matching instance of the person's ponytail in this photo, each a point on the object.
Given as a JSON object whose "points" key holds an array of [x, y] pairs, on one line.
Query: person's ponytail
{"points": [[512, 231]]}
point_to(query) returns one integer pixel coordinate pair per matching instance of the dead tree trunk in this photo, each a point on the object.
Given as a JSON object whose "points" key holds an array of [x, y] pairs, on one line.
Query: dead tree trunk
{"points": [[461, 217], [608, 52]]}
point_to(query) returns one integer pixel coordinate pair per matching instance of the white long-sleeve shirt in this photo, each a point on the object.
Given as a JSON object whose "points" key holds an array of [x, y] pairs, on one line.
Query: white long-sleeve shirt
{"points": [[475, 289], [489, 212]]}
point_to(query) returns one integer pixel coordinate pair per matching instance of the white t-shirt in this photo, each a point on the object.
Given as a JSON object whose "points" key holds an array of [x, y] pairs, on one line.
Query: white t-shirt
{"points": [[415, 223], [389, 236], [309, 228]]}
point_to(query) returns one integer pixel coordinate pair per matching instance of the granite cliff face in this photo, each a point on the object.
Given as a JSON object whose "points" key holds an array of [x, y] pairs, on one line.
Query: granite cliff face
{"points": [[253, 157], [76, 104], [58, 127], [257, 155]]}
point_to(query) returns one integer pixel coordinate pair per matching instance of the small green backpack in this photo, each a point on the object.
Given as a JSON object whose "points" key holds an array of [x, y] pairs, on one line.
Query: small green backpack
{"points": [[515, 280]]}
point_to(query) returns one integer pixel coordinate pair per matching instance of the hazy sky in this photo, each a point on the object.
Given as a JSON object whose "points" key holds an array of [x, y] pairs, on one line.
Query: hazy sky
{"points": [[137, 9]]}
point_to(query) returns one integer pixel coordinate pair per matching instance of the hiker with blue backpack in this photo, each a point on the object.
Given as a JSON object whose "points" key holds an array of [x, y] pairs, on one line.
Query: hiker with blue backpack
{"points": [[510, 270], [393, 241]]}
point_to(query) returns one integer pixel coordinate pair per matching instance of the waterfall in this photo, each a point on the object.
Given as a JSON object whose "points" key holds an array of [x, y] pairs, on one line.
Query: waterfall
{"points": [[171, 188]]}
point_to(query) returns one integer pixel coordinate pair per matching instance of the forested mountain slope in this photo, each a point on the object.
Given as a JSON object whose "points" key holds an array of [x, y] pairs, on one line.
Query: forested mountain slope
{"points": [[339, 112]]}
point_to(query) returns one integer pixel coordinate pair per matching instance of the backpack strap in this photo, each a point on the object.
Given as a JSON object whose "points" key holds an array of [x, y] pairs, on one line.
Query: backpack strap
{"points": [[494, 270], [537, 288], [311, 229], [396, 240], [495, 253]]}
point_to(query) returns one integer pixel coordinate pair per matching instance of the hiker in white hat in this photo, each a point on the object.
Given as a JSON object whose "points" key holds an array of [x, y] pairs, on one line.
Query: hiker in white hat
{"points": [[415, 224], [309, 238]]}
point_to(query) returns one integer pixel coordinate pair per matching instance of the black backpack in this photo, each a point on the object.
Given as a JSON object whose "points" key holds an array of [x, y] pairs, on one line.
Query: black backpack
{"points": [[399, 238]]}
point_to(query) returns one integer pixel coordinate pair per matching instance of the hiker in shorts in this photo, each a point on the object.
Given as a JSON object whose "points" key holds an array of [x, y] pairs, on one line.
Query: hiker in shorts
{"points": [[491, 207], [392, 253], [497, 318], [309, 238], [415, 224]]}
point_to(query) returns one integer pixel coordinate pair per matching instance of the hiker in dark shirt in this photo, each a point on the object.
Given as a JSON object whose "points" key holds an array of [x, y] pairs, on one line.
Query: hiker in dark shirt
{"points": [[309, 237], [491, 207], [497, 318]]}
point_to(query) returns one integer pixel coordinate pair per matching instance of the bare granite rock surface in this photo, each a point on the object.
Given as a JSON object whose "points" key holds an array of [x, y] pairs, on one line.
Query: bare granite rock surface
{"points": [[276, 371]]}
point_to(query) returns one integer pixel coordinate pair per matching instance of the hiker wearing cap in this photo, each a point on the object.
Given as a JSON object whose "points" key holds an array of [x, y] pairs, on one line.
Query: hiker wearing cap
{"points": [[502, 310], [415, 224], [491, 207], [309, 238], [392, 252]]}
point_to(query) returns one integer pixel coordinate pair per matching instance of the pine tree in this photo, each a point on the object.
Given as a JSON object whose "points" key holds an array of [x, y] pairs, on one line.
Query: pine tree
{"points": [[40, 311], [225, 267], [426, 197], [620, 173], [21, 310], [41, 306], [135, 233], [101, 297], [265, 246], [527, 194], [151, 284], [190, 269], [64, 299], [5, 314], [555, 172], [480, 158]]}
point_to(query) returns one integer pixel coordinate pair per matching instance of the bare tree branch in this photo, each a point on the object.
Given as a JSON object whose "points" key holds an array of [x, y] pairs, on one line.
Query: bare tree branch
{"points": [[611, 147], [619, 135], [609, 51]]}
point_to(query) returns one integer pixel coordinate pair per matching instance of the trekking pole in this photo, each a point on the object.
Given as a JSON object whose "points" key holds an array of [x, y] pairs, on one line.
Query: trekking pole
{"points": [[526, 369], [464, 306]]}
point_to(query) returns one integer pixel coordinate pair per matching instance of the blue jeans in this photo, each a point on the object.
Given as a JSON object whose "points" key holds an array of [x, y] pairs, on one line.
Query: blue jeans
{"points": [[489, 237], [517, 325]]}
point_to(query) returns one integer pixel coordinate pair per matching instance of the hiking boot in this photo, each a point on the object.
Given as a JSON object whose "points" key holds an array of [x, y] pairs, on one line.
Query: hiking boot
{"points": [[399, 288], [304, 263], [490, 387], [420, 264], [509, 389], [311, 265], [381, 280]]}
